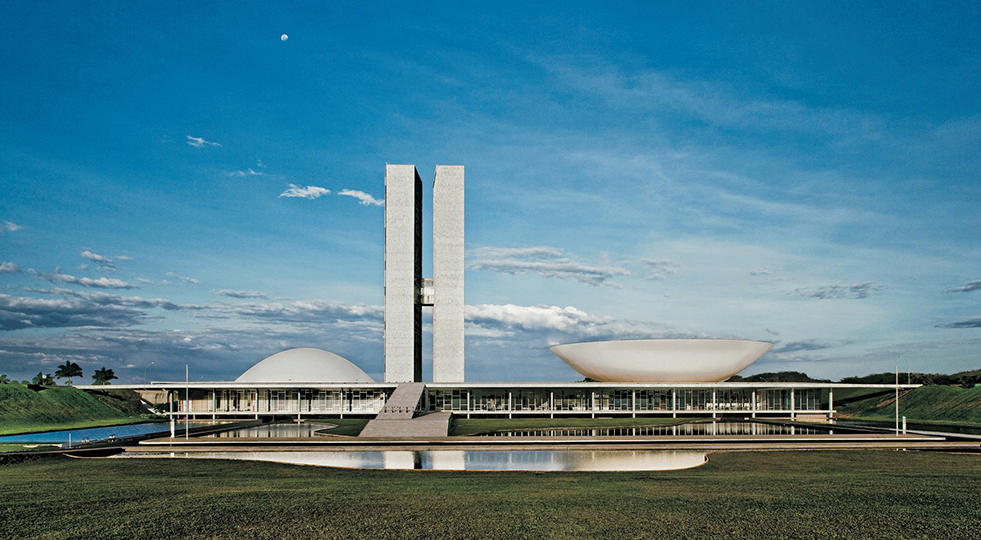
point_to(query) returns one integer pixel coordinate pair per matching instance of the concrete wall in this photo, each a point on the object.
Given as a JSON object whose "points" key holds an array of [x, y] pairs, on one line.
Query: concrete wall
{"points": [[403, 274], [448, 269]]}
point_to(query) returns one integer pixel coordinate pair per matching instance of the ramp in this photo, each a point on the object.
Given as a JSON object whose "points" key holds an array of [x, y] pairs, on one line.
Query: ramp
{"points": [[398, 418]]}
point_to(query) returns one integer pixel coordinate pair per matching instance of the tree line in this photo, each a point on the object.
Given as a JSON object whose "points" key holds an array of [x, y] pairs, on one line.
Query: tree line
{"points": [[68, 371], [967, 379]]}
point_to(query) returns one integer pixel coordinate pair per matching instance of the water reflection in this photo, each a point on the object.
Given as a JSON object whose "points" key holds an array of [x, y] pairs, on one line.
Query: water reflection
{"points": [[79, 436], [306, 429], [467, 460], [680, 430]]}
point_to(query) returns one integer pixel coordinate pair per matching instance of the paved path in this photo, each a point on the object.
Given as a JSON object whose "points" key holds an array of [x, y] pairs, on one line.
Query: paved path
{"points": [[403, 403], [398, 420], [435, 425]]}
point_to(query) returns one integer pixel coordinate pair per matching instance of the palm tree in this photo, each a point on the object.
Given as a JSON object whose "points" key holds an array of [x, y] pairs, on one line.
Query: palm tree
{"points": [[68, 370], [43, 380], [103, 376]]}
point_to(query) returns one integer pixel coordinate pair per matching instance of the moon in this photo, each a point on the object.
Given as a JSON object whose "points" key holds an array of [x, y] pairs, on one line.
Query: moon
{"points": [[283, 37]]}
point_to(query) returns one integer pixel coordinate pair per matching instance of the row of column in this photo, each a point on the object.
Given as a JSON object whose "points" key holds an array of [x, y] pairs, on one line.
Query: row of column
{"points": [[185, 405], [713, 406]]}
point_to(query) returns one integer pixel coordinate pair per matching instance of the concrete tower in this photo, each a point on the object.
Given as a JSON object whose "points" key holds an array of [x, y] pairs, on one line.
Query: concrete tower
{"points": [[403, 274], [406, 292], [448, 303]]}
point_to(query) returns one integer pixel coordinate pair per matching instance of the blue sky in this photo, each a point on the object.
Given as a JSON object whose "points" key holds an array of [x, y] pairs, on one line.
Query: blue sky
{"points": [[182, 186]]}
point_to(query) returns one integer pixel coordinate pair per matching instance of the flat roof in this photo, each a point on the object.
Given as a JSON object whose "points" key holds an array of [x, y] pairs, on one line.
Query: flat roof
{"points": [[169, 385]]}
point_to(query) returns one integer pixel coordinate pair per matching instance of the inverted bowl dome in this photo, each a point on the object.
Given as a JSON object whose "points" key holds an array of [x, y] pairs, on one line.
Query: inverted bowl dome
{"points": [[661, 360], [305, 364]]}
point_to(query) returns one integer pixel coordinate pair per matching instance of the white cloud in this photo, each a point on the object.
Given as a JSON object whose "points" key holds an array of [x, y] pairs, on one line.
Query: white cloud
{"points": [[310, 311], [9, 268], [108, 299], [241, 294], [970, 286], [101, 283], [856, 291], [95, 257], [124, 258], [248, 172], [198, 142], [308, 192], [543, 260], [9, 226], [182, 278], [365, 199], [533, 317], [17, 312], [537, 326]]}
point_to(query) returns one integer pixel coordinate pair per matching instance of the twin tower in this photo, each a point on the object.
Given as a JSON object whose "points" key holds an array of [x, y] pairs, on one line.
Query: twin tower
{"points": [[406, 291]]}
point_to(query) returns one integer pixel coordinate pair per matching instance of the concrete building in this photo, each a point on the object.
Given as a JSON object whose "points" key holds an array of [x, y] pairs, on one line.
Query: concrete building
{"points": [[403, 274], [448, 304], [661, 360], [406, 291], [635, 377]]}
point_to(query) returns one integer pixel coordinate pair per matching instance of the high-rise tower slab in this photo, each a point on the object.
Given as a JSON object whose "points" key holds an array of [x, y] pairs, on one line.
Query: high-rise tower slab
{"points": [[448, 268], [403, 274]]}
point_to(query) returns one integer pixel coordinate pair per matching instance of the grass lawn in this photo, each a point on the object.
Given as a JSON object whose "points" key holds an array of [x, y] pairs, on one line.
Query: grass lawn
{"points": [[345, 426], [853, 494], [18, 447], [473, 426], [25, 411], [928, 404]]}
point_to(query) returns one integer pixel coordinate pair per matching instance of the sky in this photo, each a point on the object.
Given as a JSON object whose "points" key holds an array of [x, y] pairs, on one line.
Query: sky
{"points": [[202, 184]]}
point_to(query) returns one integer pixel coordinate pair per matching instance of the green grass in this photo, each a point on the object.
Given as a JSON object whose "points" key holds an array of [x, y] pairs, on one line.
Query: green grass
{"points": [[26, 411], [345, 426], [473, 426], [927, 404], [18, 447], [844, 494]]}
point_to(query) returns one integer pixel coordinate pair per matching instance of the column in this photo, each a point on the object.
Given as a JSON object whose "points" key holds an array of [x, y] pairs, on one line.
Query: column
{"points": [[403, 274], [831, 404], [448, 270], [792, 415]]}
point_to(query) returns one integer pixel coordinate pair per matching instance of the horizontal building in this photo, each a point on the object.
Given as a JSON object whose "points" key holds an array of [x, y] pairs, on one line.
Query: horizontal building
{"points": [[298, 400]]}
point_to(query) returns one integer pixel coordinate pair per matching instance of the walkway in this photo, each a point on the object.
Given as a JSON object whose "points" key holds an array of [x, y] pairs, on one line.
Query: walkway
{"points": [[398, 418]]}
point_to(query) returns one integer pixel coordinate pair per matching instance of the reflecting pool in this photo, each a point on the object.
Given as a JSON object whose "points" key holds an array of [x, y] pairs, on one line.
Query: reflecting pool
{"points": [[678, 430], [305, 429], [94, 434], [465, 460]]}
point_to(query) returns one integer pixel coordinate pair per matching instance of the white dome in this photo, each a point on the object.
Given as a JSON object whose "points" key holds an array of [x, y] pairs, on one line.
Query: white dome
{"points": [[305, 364], [661, 360]]}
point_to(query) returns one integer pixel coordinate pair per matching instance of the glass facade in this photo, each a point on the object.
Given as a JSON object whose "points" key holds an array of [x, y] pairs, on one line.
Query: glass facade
{"points": [[497, 400], [280, 401]]}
